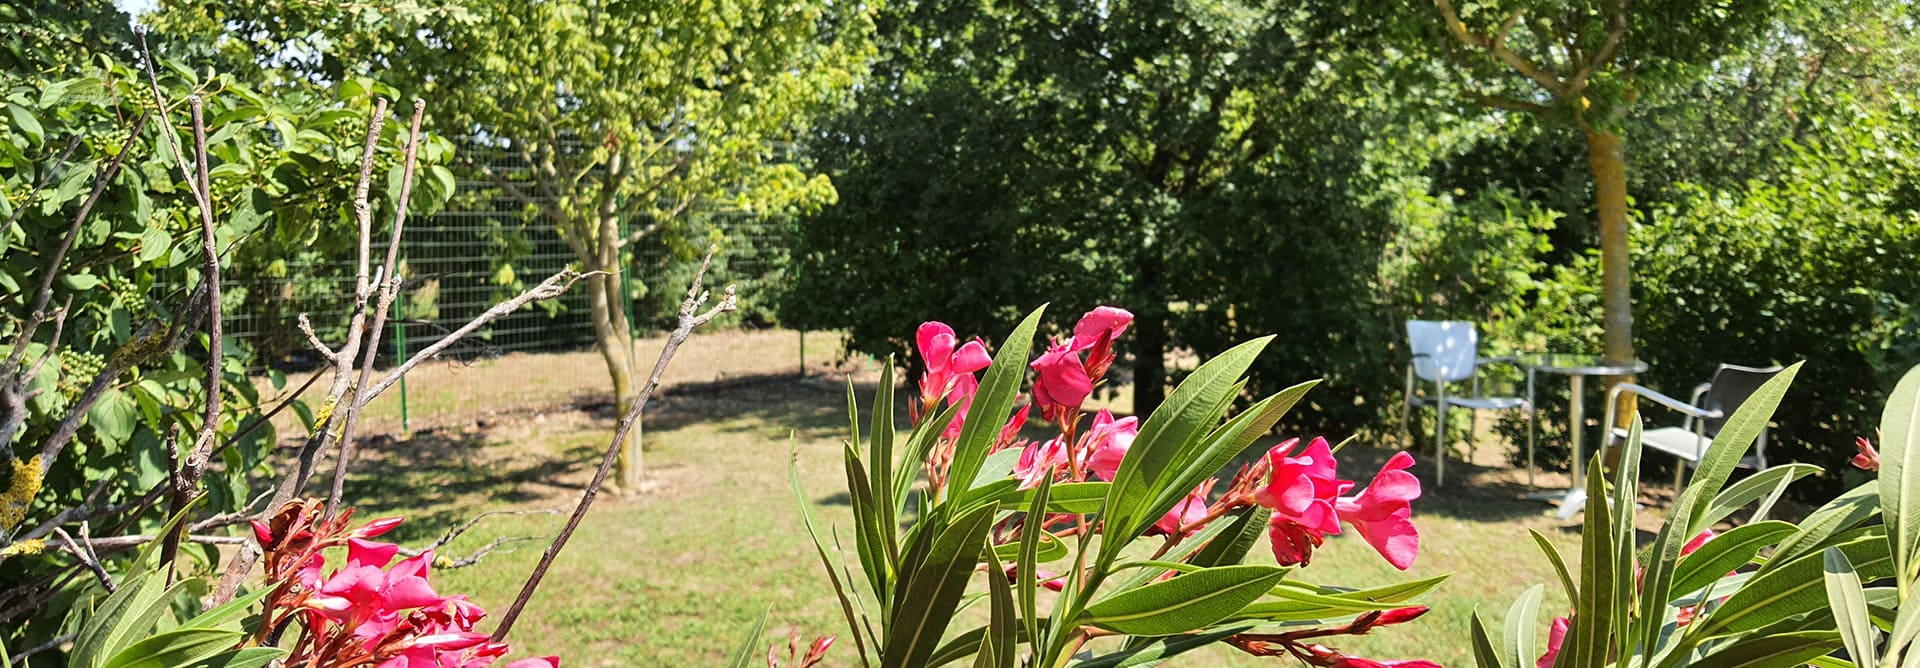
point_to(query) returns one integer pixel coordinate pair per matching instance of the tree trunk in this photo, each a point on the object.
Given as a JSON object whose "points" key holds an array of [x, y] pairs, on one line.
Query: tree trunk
{"points": [[1609, 164], [616, 349], [1149, 336]]}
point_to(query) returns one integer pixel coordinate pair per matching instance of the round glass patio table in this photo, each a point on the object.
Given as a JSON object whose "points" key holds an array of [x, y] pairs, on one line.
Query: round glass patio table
{"points": [[1576, 367]]}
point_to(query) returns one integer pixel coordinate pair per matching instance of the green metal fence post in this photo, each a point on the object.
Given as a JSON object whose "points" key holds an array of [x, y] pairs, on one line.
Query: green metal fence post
{"points": [[400, 354]]}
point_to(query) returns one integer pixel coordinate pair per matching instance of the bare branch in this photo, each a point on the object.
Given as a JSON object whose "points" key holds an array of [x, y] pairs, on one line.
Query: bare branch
{"points": [[1496, 46], [469, 524], [690, 318], [88, 558], [306, 327], [55, 643], [45, 178], [547, 289], [388, 291], [1616, 31]]}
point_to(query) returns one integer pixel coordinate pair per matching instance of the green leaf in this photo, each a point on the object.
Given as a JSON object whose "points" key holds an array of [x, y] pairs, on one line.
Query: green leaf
{"points": [[1002, 639], [1028, 563], [839, 589], [1049, 548], [1231, 546], [1792, 589], [1593, 618], [251, 657], [872, 526], [919, 444], [154, 243], [1221, 447], [1724, 553], [113, 417], [1156, 650], [1301, 602], [1765, 484], [880, 468], [1519, 649], [1484, 654], [1849, 604], [1842, 513], [80, 282], [230, 611], [934, 590], [1774, 651], [125, 616], [749, 648], [1900, 475], [1185, 602], [179, 647], [1559, 564], [1731, 444], [24, 121], [992, 403], [1179, 421]]}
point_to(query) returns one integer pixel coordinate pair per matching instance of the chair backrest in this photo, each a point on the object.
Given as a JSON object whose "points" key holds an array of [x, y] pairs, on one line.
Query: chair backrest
{"points": [[1730, 387], [1443, 350]]}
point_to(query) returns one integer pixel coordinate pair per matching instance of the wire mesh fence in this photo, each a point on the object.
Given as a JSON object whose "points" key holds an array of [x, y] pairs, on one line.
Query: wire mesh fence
{"points": [[477, 251]]}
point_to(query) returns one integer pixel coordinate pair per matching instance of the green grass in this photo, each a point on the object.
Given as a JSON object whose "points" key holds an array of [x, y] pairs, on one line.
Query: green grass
{"points": [[676, 577]]}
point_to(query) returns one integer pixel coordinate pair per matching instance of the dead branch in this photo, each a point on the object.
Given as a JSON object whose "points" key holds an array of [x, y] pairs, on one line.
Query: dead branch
{"points": [[55, 643], [388, 290], [554, 286], [87, 557], [690, 318]]}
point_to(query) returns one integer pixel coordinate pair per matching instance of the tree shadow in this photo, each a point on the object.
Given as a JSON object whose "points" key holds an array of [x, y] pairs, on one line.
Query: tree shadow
{"points": [[439, 478]]}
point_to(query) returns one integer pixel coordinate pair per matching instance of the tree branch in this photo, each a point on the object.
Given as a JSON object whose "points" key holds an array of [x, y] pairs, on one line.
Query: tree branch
{"points": [[547, 289], [690, 318], [1496, 46]]}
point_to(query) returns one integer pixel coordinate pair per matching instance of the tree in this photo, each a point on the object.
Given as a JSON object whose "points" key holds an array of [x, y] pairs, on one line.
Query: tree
{"points": [[1583, 65], [629, 118], [1099, 130]]}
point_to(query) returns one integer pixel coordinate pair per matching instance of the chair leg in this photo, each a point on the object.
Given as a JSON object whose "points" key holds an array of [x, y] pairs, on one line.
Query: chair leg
{"points": [[1406, 422], [1440, 444], [1679, 477]]}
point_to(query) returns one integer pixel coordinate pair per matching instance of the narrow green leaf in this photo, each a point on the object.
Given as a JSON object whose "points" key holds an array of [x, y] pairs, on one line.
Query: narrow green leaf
{"points": [[749, 647], [1774, 651], [1002, 640], [872, 525], [1842, 513], [1028, 564], [1519, 650], [1050, 548], [1906, 626], [1625, 492], [1736, 436], [1849, 604], [1181, 419], [228, 612], [1729, 551], [839, 590], [179, 647], [1184, 603], [1484, 654], [1559, 564], [919, 444], [127, 615], [1593, 619], [934, 591], [1791, 589], [1155, 650], [1295, 601], [880, 453], [1900, 475], [992, 402], [251, 657], [1231, 546], [1765, 484]]}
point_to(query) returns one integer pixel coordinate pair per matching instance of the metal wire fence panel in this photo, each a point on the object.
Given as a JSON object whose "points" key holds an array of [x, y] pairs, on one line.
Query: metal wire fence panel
{"points": [[477, 251]]}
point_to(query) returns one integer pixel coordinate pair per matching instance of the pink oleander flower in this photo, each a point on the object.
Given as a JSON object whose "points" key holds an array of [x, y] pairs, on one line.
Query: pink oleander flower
{"points": [[961, 394], [1061, 384], [536, 662], [1321, 655], [1046, 579], [1686, 613], [1108, 440], [1383, 512], [1301, 492], [1041, 461], [1186, 514], [946, 362], [1095, 334], [1556, 634], [1010, 432], [1868, 459]]}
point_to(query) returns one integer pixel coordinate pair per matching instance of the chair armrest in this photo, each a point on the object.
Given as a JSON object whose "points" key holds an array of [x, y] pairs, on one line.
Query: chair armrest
{"points": [[1699, 391], [1687, 409], [1509, 360]]}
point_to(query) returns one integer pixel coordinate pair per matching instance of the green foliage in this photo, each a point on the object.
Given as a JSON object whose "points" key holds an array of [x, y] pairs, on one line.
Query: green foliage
{"points": [[915, 578], [1767, 593]]}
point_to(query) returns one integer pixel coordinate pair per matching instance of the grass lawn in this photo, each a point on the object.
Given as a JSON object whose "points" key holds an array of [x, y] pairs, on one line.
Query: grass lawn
{"points": [[675, 577]]}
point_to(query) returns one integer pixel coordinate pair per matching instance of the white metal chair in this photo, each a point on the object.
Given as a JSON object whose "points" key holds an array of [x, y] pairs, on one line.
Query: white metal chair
{"points": [[1447, 352], [1704, 413]]}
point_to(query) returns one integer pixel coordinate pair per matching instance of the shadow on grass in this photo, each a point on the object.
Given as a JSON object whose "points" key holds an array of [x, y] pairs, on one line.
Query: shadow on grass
{"points": [[438, 477]]}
